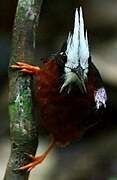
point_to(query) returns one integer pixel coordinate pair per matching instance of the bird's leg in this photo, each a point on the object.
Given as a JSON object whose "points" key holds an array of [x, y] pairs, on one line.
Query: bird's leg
{"points": [[26, 68], [37, 160]]}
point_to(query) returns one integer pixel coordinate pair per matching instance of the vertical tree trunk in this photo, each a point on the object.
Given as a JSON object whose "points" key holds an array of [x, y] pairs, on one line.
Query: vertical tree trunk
{"points": [[23, 130]]}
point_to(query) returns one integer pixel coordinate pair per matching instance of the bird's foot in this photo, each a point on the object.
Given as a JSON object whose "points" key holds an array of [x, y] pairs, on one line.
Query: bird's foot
{"points": [[23, 67], [37, 160]]}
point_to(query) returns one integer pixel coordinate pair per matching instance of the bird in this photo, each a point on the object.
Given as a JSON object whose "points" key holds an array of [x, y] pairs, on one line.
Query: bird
{"points": [[69, 90]]}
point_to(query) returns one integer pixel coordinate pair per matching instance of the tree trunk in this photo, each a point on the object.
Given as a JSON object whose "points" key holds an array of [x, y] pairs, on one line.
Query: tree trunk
{"points": [[23, 128]]}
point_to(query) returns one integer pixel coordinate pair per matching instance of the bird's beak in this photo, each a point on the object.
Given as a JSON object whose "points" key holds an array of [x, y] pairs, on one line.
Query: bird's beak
{"points": [[73, 78]]}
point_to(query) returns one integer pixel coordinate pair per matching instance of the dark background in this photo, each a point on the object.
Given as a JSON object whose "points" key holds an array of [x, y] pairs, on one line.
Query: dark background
{"points": [[94, 157]]}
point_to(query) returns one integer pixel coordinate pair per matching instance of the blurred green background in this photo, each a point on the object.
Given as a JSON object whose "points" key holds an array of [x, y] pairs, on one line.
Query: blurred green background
{"points": [[94, 157]]}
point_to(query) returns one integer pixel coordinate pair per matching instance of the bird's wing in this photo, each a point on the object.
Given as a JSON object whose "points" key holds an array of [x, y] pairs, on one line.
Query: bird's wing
{"points": [[100, 95]]}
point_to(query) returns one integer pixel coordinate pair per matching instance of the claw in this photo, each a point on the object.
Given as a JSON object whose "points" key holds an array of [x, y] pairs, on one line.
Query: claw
{"points": [[26, 68], [30, 156], [26, 71], [36, 160], [14, 66]]}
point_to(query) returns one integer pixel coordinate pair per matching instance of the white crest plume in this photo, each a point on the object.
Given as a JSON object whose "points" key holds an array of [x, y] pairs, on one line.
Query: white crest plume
{"points": [[77, 44], [84, 47]]}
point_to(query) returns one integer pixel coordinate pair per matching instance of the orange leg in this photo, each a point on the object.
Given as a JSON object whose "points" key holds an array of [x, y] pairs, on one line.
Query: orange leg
{"points": [[37, 160], [26, 68]]}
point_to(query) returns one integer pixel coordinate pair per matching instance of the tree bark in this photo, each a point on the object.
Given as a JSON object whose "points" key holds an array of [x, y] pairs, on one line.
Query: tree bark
{"points": [[23, 128]]}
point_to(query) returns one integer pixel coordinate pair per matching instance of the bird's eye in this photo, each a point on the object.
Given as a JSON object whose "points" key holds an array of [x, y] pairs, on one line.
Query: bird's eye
{"points": [[61, 58]]}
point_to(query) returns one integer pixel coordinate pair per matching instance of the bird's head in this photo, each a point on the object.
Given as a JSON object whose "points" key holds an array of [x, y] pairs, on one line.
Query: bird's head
{"points": [[77, 55]]}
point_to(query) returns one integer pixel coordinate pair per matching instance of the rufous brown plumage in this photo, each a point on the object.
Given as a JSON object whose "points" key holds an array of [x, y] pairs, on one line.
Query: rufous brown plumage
{"points": [[69, 90]]}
